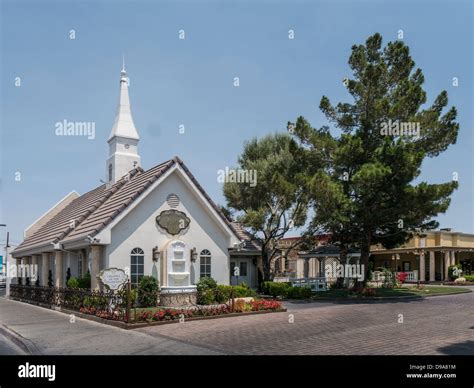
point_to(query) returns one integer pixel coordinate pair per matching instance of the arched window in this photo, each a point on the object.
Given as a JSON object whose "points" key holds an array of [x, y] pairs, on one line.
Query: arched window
{"points": [[205, 263], [137, 262], [110, 172]]}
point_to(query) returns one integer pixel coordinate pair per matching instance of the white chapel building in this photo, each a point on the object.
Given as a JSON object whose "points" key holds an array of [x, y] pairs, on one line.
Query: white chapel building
{"points": [[158, 222]]}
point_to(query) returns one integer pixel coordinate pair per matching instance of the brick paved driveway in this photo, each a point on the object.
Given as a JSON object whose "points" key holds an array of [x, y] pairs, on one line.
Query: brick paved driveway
{"points": [[435, 325]]}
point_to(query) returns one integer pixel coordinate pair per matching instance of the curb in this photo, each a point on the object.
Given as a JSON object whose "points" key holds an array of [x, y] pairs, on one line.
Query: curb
{"points": [[389, 298], [23, 343]]}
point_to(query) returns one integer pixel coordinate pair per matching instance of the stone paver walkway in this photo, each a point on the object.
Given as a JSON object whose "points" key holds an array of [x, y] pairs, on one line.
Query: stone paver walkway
{"points": [[434, 325]]}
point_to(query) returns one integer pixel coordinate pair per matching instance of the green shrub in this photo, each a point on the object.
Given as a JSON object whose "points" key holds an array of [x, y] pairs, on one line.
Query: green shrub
{"points": [[243, 291], [276, 289], [73, 283], [222, 293], [299, 293], [451, 270], [206, 297], [469, 278], [85, 281], [133, 296], [50, 278], [206, 283], [148, 291], [68, 275], [206, 291]]}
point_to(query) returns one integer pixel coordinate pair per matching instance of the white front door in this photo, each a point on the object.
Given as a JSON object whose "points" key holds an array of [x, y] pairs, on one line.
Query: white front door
{"points": [[240, 271]]}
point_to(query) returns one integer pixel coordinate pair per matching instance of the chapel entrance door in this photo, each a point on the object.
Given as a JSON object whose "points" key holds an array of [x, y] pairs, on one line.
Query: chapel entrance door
{"points": [[240, 272]]}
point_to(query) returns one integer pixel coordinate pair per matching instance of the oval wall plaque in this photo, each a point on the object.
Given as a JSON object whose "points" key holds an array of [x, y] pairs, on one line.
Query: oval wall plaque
{"points": [[173, 221]]}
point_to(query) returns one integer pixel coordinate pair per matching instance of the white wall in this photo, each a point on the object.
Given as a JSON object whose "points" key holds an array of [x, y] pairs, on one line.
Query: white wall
{"points": [[139, 229]]}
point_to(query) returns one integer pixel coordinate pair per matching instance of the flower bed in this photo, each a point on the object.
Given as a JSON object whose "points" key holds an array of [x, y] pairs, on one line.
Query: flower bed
{"points": [[240, 306], [113, 315]]}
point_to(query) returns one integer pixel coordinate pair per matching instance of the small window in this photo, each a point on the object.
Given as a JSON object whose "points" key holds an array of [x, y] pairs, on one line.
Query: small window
{"points": [[137, 264], [110, 172], [205, 262]]}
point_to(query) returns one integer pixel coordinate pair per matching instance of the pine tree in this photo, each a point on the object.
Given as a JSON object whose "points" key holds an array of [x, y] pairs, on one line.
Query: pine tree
{"points": [[366, 194]]}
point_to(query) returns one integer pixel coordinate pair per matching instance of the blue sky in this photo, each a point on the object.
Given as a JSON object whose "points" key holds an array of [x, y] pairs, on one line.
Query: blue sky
{"points": [[190, 82]]}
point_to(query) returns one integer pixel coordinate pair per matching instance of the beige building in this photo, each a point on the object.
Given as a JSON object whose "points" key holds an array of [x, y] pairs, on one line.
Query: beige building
{"points": [[424, 258], [428, 258]]}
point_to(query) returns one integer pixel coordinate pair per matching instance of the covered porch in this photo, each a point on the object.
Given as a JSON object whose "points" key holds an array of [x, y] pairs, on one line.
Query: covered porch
{"points": [[53, 266], [425, 265]]}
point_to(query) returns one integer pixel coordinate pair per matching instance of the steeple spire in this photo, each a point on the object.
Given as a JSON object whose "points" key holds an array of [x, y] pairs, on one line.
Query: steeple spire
{"points": [[123, 139], [124, 126]]}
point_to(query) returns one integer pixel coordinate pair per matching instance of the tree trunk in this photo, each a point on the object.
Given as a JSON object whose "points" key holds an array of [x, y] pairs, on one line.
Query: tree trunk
{"points": [[260, 275], [263, 269], [364, 257]]}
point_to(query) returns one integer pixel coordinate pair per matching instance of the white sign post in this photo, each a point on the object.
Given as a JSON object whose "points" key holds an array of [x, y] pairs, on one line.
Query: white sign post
{"points": [[113, 278]]}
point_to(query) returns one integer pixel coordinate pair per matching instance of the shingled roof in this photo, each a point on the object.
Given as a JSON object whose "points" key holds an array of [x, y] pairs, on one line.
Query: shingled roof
{"points": [[250, 244], [93, 211]]}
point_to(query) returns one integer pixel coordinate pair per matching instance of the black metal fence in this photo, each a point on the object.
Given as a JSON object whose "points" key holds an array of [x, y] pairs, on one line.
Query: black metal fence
{"points": [[109, 304]]}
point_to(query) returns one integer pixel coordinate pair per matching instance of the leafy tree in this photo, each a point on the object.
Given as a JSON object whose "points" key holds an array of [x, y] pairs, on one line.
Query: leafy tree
{"points": [[366, 193], [277, 202]]}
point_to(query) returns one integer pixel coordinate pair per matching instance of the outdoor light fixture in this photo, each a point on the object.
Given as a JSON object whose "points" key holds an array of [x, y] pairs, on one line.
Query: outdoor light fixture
{"points": [[156, 254], [194, 255]]}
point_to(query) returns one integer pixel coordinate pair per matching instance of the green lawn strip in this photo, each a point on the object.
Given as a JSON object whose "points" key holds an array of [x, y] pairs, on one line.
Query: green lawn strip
{"points": [[392, 293]]}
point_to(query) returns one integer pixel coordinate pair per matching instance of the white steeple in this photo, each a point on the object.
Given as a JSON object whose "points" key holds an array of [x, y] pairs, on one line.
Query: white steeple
{"points": [[124, 126], [123, 139]]}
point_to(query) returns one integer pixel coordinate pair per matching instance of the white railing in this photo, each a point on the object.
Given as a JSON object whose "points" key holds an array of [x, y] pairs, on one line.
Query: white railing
{"points": [[379, 276], [316, 284]]}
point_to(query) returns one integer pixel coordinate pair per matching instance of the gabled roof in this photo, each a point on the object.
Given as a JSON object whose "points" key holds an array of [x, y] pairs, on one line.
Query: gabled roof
{"points": [[249, 243], [93, 211], [118, 202]]}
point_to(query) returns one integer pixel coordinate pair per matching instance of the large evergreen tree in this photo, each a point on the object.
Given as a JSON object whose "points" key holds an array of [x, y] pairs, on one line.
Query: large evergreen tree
{"points": [[366, 194]]}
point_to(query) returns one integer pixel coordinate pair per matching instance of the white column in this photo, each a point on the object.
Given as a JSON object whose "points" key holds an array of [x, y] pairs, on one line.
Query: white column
{"points": [[58, 272], [453, 258], [34, 269], [432, 266], [44, 269], [96, 256], [422, 266], [306, 268], [446, 264]]}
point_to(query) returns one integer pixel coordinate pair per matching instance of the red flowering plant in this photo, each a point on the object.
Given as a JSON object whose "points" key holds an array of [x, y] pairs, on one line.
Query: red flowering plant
{"points": [[145, 316], [88, 310], [258, 305], [401, 277]]}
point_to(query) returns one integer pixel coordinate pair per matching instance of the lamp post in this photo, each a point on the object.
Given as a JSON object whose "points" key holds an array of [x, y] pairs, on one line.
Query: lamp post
{"points": [[7, 278]]}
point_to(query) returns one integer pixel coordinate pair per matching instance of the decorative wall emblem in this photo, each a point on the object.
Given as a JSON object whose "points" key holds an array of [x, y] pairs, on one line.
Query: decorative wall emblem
{"points": [[173, 221]]}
